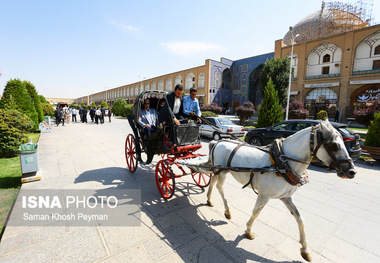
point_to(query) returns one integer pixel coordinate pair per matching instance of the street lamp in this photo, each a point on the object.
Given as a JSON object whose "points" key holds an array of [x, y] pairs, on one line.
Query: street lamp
{"points": [[290, 71]]}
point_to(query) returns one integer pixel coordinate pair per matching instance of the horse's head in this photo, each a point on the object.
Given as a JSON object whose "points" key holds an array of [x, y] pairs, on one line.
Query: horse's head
{"points": [[330, 149]]}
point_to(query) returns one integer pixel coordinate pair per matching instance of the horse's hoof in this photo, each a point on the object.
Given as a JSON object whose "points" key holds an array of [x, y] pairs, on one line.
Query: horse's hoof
{"points": [[227, 215], [210, 203], [306, 256], [250, 235]]}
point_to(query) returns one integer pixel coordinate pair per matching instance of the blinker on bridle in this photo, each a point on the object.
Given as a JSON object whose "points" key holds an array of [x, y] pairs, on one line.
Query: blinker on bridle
{"points": [[330, 147]]}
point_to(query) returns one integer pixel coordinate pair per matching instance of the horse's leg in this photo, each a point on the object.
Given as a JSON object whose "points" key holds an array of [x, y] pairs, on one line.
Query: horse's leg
{"points": [[288, 201], [214, 180], [219, 186], [260, 203]]}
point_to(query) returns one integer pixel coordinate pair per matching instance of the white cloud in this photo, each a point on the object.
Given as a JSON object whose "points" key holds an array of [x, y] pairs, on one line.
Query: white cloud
{"points": [[190, 48], [123, 26]]}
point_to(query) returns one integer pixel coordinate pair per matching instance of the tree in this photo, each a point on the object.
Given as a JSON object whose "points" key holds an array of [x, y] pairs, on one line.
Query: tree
{"points": [[16, 97], [270, 111], [373, 134], [13, 128], [214, 107], [297, 110], [104, 104], [36, 99], [42, 99], [278, 70], [244, 111], [118, 107]]}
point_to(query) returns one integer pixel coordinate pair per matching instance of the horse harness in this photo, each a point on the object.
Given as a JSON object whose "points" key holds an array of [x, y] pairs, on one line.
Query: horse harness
{"points": [[279, 160]]}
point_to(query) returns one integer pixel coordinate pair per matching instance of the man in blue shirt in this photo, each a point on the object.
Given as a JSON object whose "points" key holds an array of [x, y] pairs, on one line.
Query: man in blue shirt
{"points": [[191, 108], [147, 119]]}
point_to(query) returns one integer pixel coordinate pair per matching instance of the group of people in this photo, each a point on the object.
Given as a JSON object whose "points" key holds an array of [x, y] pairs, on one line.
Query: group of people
{"points": [[177, 110], [96, 114]]}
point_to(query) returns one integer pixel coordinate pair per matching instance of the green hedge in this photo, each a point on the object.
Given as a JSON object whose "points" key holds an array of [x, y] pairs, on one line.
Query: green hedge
{"points": [[13, 128]]}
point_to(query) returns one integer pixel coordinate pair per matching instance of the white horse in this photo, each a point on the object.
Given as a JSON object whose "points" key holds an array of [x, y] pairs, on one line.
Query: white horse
{"points": [[328, 147]]}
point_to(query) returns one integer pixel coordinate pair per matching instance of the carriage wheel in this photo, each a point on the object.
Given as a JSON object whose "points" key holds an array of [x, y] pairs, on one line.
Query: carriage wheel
{"points": [[130, 153], [202, 180], [165, 179]]}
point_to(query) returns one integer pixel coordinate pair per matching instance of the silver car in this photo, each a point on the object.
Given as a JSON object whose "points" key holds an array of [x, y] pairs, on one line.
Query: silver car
{"points": [[225, 125]]}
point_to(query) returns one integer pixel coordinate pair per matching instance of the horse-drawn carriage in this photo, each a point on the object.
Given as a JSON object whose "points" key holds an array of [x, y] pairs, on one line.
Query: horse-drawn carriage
{"points": [[170, 141], [275, 171]]}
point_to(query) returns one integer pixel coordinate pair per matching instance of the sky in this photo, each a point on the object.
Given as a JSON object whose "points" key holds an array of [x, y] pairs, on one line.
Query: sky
{"points": [[74, 48]]}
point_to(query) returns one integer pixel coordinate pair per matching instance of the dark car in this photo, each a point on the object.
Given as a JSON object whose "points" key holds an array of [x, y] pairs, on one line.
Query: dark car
{"points": [[264, 136]]}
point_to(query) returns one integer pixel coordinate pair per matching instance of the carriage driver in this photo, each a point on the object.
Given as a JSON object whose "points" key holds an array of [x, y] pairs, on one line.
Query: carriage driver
{"points": [[147, 118]]}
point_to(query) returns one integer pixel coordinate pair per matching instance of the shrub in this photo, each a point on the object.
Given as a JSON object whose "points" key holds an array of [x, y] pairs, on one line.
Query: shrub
{"points": [[214, 107], [118, 107], [127, 109], [42, 99], [13, 126], [373, 134], [244, 111], [297, 110], [104, 104], [366, 115], [16, 97], [35, 99], [322, 115], [209, 114], [47, 109], [270, 111], [16, 119]]}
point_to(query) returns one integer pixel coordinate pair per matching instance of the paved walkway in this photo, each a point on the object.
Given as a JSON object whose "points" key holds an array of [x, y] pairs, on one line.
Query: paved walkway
{"points": [[342, 216]]}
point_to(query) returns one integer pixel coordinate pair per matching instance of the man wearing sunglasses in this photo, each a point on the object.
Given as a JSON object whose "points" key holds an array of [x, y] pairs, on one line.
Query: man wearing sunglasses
{"points": [[147, 119]]}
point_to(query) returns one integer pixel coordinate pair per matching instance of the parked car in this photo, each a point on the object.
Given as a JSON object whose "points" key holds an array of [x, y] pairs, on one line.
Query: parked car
{"points": [[225, 124], [264, 136]]}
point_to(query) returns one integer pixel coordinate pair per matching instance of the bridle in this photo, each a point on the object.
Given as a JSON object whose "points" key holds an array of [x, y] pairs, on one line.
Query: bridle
{"points": [[330, 147]]}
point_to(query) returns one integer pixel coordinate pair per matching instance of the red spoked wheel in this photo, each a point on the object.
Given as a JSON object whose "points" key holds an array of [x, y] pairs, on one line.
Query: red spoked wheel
{"points": [[165, 179], [202, 180], [130, 153]]}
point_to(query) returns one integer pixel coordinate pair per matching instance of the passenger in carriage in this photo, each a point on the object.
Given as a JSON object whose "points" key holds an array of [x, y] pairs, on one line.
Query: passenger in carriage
{"points": [[174, 100], [147, 119], [191, 109]]}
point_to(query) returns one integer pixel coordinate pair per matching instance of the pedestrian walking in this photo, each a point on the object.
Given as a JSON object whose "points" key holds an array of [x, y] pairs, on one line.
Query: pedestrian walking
{"points": [[109, 114], [84, 113], [98, 115], [73, 114]]}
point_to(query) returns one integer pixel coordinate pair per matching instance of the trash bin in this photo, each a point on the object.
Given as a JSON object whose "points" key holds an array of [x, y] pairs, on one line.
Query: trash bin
{"points": [[47, 119], [29, 158]]}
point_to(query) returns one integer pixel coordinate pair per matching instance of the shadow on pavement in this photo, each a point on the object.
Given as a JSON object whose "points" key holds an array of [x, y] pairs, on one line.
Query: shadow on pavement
{"points": [[181, 221]]}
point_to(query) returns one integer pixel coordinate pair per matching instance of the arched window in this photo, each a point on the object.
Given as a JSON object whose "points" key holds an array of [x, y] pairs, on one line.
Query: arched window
{"points": [[201, 81], [326, 58], [217, 80], [377, 50], [147, 86], [153, 85], [160, 85], [189, 81], [168, 84], [178, 80]]}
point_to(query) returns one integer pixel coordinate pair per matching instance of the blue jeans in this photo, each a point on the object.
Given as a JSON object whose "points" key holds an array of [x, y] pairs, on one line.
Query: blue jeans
{"points": [[148, 130]]}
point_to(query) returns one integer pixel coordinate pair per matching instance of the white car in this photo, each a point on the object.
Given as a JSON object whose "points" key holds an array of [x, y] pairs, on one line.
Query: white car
{"points": [[226, 126]]}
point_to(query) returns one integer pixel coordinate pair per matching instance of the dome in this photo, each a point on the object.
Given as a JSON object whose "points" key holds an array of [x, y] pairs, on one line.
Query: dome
{"points": [[324, 23]]}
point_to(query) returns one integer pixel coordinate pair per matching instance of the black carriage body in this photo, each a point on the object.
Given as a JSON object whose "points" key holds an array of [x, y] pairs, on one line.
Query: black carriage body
{"points": [[187, 134]]}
